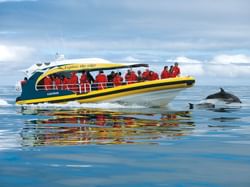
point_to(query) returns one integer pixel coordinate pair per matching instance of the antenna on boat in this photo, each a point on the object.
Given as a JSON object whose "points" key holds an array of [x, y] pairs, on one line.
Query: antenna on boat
{"points": [[59, 56]]}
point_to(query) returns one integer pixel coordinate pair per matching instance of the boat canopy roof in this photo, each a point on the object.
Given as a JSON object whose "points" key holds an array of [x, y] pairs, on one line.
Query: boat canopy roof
{"points": [[68, 65], [89, 64]]}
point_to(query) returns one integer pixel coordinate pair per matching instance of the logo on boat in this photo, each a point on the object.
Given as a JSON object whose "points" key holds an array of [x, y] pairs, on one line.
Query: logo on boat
{"points": [[77, 66], [52, 93]]}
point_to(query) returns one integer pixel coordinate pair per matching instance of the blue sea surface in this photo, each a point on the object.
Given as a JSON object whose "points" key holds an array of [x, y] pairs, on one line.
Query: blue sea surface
{"points": [[113, 145]]}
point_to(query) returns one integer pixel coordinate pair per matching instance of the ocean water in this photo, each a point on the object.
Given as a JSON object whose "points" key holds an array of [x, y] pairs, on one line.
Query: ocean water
{"points": [[113, 145]]}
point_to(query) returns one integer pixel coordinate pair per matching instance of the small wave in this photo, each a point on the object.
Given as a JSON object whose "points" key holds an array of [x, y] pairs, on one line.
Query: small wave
{"points": [[9, 140], [75, 104], [4, 103]]}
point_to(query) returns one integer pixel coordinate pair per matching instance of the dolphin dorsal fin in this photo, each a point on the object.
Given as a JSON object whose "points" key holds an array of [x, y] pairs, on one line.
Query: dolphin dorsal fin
{"points": [[222, 90]]}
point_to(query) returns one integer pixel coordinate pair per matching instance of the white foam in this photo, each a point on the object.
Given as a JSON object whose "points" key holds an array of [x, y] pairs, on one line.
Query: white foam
{"points": [[75, 104], [4, 103]]}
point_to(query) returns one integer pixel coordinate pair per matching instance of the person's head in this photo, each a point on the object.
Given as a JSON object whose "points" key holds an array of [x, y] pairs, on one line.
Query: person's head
{"points": [[101, 71], [120, 73], [176, 64], [25, 78], [151, 73], [129, 71], [165, 67], [139, 72], [83, 72]]}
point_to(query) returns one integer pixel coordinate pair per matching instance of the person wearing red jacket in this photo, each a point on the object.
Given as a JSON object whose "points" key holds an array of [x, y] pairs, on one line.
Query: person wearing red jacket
{"points": [[73, 82], [130, 77], [176, 70], [101, 79], [117, 79], [165, 73], [153, 76], [64, 82], [58, 83], [85, 86], [47, 83], [145, 74]]}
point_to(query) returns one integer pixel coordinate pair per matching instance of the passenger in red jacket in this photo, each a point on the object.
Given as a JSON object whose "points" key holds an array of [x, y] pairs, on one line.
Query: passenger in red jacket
{"points": [[101, 80], [65, 83], [73, 82], [156, 76], [131, 77], [165, 73], [176, 70], [117, 79], [58, 83], [153, 76], [47, 83], [84, 82], [145, 74]]}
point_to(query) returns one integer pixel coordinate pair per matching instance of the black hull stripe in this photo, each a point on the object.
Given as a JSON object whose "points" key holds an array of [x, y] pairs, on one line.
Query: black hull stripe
{"points": [[188, 82]]}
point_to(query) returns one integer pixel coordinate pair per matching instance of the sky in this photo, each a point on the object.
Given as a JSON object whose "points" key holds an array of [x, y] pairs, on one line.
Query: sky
{"points": [[210, 39]]}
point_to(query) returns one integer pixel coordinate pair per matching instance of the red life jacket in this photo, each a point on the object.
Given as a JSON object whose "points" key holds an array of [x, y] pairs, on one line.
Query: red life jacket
{"points": [[131, 77], [155, 76], [85, 86], [58, 83], [176, 71], [65, 83], [145, 75], [117, 80], [102, 80], [73, 81], [47, 83], [165, 74]]}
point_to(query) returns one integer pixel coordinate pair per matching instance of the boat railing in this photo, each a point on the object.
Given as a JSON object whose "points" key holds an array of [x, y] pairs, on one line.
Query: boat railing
{"points": [[81, 87]]}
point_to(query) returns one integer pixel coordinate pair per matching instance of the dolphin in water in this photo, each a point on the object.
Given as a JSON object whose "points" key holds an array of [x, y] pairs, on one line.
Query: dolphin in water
{"points": [[220, 96], [224, 96]]}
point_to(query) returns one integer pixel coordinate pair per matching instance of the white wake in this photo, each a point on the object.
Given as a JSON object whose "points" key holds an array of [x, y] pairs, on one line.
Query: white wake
{"points": [[75, 104], [4, 103]]}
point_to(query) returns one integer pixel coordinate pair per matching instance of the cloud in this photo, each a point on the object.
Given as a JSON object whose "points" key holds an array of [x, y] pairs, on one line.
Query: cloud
{"points": [[231, 59], [14, 53], [185, 60], [227, 71], [221, 66], [189, 66], [231, 66], [140, 24], [130, 59]]}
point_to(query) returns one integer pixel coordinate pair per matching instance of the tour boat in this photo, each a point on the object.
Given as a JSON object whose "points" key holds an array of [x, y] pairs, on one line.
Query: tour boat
{"points": [[154, 93]]}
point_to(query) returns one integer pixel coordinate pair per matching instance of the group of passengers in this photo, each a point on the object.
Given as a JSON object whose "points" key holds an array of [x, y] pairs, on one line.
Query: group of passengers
{"points": [[102, 81]]}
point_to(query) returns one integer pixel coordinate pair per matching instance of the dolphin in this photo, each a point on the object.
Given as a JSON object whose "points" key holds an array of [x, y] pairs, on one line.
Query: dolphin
{"points": [[221, 96], [224, 96]]}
